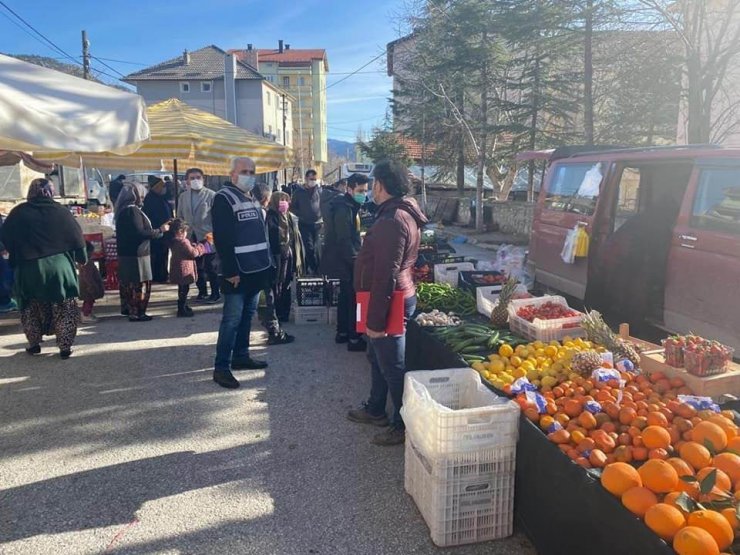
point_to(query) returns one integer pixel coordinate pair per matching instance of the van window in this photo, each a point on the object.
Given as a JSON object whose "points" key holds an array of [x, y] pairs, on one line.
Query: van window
{"points": [[629, 196], [74, 185], [717, 201], [575, 188]]}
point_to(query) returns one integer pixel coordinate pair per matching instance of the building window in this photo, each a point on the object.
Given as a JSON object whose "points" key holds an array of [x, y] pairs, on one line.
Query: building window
{"points": [[286, 81], [269, 98], [185, 87], [205, 86], [302, 81]]}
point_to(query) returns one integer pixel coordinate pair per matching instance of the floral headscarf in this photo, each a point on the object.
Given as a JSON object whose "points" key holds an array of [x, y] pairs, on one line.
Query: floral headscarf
{"points": [[40, 187]]}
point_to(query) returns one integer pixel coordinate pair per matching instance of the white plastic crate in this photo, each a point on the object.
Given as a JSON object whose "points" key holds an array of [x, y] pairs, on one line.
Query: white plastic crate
{"points": [[449, 273], [544, 330], [473, 507], [304, 315], [332, 315], [451, 411], [487, 297]]}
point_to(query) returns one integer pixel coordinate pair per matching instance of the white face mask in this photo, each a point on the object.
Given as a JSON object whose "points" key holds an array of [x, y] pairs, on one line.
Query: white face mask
{"points": [[196, 184], [245, 182]]}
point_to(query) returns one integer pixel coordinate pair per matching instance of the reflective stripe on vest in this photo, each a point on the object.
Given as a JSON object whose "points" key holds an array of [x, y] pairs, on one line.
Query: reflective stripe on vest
{"points": [[252, 246]]}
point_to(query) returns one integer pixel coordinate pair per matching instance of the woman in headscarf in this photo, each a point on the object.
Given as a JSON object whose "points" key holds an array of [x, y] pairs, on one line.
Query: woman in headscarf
{"points": [[133, 235], [44, 243], [287, 252]]}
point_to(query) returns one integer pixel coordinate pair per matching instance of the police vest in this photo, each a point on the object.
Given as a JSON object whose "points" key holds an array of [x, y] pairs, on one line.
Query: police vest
{"points": [[252, 247]]}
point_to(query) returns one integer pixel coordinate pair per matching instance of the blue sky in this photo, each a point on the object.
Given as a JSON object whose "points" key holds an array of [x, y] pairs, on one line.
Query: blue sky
{"points": [[146, 32]]}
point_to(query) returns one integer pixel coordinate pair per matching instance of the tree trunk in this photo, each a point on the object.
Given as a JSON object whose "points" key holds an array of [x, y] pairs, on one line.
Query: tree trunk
{"points": [[588, 75], [483, 144], [461, 150], [535, 116], [695, 108]]}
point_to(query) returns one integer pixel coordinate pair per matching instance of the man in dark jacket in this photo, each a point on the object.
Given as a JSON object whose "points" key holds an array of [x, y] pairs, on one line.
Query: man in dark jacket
{"points": [[342, 242], [305, 203], [240, 237], [159, 212], [328, 193], [384, 265]]}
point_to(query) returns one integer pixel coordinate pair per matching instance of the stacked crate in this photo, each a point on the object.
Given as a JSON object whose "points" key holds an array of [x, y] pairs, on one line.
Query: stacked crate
{"points": [[460, 455], [309, 301]]}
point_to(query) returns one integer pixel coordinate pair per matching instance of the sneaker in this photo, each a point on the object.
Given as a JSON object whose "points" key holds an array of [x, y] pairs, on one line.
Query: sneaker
{"points": [[362, 416], [89, 319], [341, 338], [185, 312], [201, 298], [35, 350], [10, 307], [248, 364], [391, 436], [280, 338], [125, 312], [64, 355], [213, 299], [226, 379], [357, 346]]}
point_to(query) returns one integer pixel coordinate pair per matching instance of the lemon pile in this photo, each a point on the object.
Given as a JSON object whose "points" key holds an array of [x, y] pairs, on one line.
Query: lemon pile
{"points": [[545, 365]]}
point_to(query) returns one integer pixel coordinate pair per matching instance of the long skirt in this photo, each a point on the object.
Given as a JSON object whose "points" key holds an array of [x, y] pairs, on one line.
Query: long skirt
{"points": [[135, 298], [40, 318]]}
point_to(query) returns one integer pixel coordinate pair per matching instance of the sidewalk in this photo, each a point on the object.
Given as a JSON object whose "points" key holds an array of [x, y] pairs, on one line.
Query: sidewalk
{"points": [[130, 448]]}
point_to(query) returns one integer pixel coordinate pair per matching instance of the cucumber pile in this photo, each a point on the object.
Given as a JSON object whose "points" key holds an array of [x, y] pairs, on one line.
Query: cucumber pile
{"points": [[475, 341]]}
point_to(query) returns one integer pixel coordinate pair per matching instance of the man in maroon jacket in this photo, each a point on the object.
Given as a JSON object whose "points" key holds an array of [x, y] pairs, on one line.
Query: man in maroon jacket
{"points": [[383, 266]]}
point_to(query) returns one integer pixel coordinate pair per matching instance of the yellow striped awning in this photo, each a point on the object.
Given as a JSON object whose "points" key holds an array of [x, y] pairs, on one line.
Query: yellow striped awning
{"points": [[194, 137]]}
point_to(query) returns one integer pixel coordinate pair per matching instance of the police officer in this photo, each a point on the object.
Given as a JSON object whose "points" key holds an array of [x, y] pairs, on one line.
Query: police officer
{"points": [[241, 240]]}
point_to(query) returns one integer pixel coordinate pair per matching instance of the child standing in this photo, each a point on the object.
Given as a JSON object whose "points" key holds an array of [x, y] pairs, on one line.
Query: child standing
{"points": [[91, 286], [183, 271]]}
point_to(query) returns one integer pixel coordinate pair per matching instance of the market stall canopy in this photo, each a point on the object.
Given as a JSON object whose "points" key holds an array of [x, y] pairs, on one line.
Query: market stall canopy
{"points": [[44, 110], [195, 139], [11, 158]]}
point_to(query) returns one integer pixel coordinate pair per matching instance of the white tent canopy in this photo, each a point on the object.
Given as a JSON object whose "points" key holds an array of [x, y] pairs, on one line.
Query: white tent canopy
{"points": [[43, 110]]}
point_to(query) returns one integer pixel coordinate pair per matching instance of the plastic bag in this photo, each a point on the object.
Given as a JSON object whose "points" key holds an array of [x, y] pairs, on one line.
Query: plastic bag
{"points": [[605, 374], [568, 254], [510, 260], [699, 403]]}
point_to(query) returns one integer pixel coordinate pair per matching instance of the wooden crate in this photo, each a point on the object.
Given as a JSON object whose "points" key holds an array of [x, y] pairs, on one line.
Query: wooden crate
{"points": [[652, 360]]}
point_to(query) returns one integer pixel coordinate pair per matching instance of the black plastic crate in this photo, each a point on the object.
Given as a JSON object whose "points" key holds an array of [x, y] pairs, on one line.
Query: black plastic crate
{"points": [[310, 292], [332, 292], [472, 280]]}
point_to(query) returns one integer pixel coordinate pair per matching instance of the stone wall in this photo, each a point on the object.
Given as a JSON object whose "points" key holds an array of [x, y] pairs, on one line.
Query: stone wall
{"points": [[512, 217]]}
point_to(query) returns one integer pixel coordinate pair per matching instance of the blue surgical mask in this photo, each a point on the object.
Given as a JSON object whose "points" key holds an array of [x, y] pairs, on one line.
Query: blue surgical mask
{"points": [[359, 197], [245, 182]]}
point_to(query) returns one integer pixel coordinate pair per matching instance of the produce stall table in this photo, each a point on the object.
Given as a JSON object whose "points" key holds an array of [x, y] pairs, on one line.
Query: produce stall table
{"points": [[561, 507]]}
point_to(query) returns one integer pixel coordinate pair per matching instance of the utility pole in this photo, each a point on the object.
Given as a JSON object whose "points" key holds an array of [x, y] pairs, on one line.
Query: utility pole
{"points": [[588, 74], [85, 56]]}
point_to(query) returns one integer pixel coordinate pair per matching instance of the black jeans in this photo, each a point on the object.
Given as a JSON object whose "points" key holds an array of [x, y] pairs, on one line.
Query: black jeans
{"points": [[387, 357], [347, 310], [206, 265], [310, 235], [182, 296]]}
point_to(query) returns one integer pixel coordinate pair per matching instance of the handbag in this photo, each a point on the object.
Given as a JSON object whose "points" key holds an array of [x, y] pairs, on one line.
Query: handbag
{"points": [[395, 323]]}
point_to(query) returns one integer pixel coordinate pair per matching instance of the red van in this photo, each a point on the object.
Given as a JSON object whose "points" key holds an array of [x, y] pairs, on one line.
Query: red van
{"points": [[664, 224]]}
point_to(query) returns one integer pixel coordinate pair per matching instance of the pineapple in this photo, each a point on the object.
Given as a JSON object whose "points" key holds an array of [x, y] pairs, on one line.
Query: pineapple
{"points": [[599, 332], [585, 362], [500, 312]]}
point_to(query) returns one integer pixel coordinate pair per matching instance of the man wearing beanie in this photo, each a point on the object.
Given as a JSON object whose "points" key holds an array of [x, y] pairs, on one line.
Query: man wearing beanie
{"points": [[159, 212]]}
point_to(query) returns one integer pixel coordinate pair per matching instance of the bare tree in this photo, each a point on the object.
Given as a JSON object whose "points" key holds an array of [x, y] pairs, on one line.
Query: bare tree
{"points": [[709, 31]]}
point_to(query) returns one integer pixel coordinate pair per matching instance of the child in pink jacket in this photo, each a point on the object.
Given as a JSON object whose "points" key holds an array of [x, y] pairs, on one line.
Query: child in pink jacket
{"points": [[183, 271]]}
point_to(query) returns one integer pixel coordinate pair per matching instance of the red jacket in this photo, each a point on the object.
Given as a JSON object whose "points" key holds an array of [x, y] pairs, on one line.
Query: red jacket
{"points": [[182, 262], [387, 256]]}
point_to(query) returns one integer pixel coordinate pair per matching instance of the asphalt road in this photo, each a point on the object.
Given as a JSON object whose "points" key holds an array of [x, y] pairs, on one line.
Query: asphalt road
{"points": [[129, 447]]}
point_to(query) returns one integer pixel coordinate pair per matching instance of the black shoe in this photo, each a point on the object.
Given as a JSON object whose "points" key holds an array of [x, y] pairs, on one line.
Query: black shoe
{"points": [[64, 355], [362, 416], [392, 436], [142, 318], [35, 350], [124, 312], [201, 298], [248, 364], [357, 346], [213, 299], [185, 312], [280, 338], [224, 378], [341, 338]]}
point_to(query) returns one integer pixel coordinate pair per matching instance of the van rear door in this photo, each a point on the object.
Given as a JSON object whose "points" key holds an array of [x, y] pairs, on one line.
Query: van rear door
{"points": [[702, 292], [571, 194]]}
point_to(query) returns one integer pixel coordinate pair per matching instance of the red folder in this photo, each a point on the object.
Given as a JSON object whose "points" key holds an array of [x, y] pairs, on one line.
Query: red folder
{"points": [[394, 324]]}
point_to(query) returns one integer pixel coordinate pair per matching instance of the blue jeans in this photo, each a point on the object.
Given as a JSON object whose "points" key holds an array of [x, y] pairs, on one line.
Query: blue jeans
{"points": [[236, 325], [387, 357]]}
